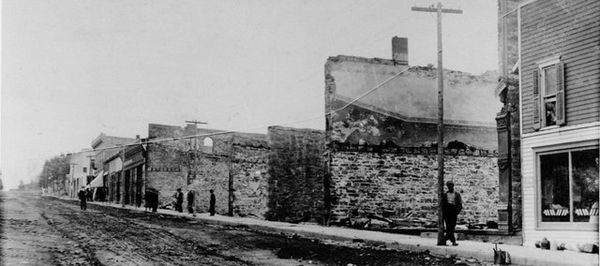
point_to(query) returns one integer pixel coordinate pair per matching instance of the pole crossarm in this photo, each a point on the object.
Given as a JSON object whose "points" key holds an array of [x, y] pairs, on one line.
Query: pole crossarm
{"points": [[435, 10], [196, 122]]}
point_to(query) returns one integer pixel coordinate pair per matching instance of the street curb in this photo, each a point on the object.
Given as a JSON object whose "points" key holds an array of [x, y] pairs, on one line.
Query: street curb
{"points": [[519, 255]]}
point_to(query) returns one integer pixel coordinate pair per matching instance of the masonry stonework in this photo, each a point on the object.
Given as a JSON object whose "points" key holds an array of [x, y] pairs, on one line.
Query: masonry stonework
{"points": [[403, 184], [250, 175], [188, 164], [296, 172]]}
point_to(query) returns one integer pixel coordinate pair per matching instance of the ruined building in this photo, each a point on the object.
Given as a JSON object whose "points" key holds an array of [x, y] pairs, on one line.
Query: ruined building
{"points": [[231, 163], [381, 148]]}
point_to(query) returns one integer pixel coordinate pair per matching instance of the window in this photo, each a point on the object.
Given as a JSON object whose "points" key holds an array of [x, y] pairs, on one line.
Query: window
{"points": [[568, 186], [548, 94], [207, 145], [85, 169]]}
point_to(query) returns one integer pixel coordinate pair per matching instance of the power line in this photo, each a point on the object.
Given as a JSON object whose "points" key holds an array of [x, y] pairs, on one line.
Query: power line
{"points": [[249, 129]]}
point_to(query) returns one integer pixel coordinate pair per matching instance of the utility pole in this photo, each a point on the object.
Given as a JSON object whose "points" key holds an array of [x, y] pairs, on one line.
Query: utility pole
{"points": [[440, 82], [122, 176], [194, 151]]}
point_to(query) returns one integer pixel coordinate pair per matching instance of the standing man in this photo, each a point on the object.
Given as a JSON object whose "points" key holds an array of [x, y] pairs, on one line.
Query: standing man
{"points": [[179, 200], [452, 205], [154, 200], [82, 194], [190, 202], [213, 201]]}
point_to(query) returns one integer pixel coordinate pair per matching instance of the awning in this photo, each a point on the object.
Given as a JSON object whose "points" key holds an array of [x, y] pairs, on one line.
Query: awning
{"points": [[98, 180]]}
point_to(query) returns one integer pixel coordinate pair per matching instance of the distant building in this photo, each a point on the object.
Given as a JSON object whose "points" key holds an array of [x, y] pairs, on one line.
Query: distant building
{"points": [[80, 171], [86, 166], [231, 163]]}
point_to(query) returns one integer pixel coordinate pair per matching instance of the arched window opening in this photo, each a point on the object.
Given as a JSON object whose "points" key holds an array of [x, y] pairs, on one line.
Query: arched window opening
{"points": [[207, 145]]}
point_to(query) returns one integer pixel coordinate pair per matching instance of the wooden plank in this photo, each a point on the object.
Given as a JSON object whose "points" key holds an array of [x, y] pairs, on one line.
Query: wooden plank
{"points": [[574, 45], [575, 34], [548, 17], [559, 23]]}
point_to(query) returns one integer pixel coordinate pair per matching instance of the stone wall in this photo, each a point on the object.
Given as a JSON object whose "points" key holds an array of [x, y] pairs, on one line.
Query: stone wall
{"points": [[361, 124], [184, 163], [296, 175], [402, 182], [166, 169], [250, 175]]}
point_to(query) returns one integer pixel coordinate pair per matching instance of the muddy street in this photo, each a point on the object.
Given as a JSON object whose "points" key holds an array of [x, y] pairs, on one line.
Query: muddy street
{"points": [[47, 231]]}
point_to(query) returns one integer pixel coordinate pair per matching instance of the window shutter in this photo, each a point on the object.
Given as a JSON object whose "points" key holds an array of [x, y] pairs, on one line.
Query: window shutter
{"points": [[560, 94], [537, 123]]}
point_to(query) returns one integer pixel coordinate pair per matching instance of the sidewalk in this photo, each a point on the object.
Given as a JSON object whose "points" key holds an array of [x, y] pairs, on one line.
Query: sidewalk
{"points": [[467, 249]]}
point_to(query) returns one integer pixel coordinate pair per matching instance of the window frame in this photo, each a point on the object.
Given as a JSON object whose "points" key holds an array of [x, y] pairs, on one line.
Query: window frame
{"points": [[541, 66], [545, 98], [563, 226], [540, 97]]}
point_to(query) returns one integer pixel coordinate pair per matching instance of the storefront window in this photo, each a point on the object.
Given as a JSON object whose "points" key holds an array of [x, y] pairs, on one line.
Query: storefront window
{"points": [[569, 186], [585, 184], [555, 187]]}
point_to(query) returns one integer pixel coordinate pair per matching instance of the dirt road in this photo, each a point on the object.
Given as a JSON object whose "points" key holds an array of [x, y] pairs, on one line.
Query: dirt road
{"points": [[47, 231]]}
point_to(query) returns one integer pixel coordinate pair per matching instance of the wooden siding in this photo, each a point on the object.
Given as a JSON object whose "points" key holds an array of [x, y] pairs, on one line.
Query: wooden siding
{"points": [[571, 136], [570, 29]]}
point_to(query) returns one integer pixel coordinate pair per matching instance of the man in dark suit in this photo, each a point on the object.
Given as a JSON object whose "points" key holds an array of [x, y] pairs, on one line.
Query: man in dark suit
{"points": [[82, 194], [179, 200], [452, 205], [213, 201]]}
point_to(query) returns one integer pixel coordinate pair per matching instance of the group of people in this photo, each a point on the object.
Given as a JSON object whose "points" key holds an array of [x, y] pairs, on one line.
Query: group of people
{"points": [[190, 196], [151, 197], [451, 200]]}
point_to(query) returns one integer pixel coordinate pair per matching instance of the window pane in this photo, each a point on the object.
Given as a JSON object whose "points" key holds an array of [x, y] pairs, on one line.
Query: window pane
{"points": [[549, 80], [585, 185], [555, 187]]}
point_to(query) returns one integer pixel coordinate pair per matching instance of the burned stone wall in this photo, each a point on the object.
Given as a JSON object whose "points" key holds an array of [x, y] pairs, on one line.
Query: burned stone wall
{"points": [[188, 164], [250, 175], [365, 125], [165, 170], [402, 182], [296, 175]]}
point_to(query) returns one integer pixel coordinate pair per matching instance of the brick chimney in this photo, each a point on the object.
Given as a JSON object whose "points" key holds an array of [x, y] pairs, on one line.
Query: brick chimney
{"points": [[400, 50]]}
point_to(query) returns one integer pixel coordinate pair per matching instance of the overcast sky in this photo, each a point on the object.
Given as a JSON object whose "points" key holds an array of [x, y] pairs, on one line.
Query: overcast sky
{"points": [[72, 69]]}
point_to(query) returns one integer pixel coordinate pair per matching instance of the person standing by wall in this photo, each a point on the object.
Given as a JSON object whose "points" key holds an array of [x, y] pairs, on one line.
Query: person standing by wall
{"points": [[213, 201], [190, 202], [82, 194], [452, 205], [154, 200], [178, 200]]}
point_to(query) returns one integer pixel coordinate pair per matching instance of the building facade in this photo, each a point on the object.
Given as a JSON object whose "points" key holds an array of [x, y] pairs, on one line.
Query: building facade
{"points": [[105, 148], [559, 73], [233, 164], [80, 170]]}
